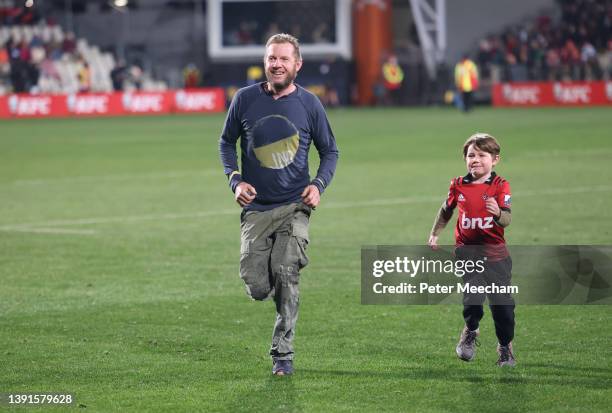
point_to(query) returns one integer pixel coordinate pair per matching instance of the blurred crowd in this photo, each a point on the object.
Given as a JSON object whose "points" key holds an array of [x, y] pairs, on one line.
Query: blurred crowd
{"points": [[11, 13], [23, 62], [578, 47], [310, 21], [249, 32], [42, 63], [37, 56]]}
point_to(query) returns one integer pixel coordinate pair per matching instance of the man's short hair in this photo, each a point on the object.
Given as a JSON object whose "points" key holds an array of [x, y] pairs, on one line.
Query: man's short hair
{"points": [[484, 142], [286, 38]]}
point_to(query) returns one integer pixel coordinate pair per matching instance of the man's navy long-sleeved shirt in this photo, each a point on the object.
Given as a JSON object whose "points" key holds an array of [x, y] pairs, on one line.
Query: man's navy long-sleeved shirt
{"points": [[275, 136]]}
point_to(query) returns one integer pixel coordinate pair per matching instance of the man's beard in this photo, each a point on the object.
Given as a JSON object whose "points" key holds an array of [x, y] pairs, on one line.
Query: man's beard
{"points": [[278, 86]]}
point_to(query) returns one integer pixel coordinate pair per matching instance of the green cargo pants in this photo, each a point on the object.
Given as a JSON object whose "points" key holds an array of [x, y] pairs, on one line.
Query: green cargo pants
{"points": [[272, 252]]}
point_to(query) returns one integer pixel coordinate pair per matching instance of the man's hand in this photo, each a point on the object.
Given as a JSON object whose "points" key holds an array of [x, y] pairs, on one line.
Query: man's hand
{"points": [[311, 196], [492, 207], [244, 194], [433, 242]]}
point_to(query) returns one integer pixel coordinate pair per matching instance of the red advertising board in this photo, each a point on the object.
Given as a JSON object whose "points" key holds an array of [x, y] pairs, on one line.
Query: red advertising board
{"points": [[113, 104], [552, 94]]}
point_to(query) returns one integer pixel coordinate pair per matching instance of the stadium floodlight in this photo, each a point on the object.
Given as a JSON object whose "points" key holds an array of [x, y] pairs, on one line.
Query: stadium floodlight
{"points": [[120, 3]]}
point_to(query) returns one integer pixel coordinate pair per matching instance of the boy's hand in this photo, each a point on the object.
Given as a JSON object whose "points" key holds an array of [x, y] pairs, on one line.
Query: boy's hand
{"points": [[433, 242], [244, 194], [311, 196], [492, 207]]}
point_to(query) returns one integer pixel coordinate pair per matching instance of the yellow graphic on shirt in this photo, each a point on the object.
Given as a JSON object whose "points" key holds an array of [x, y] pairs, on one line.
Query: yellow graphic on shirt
{"points": [[279, 154]]}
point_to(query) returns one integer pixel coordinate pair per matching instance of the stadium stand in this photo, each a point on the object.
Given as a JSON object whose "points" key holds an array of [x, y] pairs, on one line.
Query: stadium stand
{"points": [[570, 41], [575, 44], [40, 57], [311, 22]]}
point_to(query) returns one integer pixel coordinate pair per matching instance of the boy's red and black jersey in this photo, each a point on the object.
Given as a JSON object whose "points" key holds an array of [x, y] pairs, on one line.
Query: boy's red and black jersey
{"points": [[475, 225]]}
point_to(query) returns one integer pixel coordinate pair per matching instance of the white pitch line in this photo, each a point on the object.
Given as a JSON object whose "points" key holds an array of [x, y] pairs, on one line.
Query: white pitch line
{"points": [[60, 231], [560, 153], [564, 191], [383, 202], [117, 177], [42, 227], [124, 219], [430, 198]]}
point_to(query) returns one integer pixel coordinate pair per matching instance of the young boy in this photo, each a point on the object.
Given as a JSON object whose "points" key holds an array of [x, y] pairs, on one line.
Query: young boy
{"points": [[483, 199]]}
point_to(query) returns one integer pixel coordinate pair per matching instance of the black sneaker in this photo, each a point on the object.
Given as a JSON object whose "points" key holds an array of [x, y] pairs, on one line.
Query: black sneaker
{"points": [[466, 347], [282, 367], [506, 357]]}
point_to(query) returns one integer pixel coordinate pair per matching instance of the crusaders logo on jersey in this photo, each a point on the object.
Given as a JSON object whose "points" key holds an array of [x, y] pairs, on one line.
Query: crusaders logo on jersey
{"points": [[485, 196]]}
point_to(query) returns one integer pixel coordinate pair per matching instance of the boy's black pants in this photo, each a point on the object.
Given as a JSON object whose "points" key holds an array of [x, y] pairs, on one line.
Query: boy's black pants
{"points": [[501, 305]]}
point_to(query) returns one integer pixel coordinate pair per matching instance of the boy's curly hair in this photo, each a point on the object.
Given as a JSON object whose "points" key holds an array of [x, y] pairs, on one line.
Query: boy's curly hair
{"points": [[484, 142]]}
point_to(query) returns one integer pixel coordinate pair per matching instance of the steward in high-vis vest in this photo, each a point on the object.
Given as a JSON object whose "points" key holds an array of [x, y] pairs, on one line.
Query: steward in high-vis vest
{"points": [[392, 74], [466, 80]]}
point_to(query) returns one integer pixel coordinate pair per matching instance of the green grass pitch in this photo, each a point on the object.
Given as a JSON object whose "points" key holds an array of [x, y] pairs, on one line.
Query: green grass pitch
{"points": [[119, 247]]}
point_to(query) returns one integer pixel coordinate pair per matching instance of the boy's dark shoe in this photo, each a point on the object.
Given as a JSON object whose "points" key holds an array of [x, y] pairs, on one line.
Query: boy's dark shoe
{"points": [[282, 368], [506, 357], [466, 348]]}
